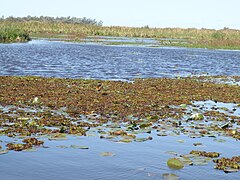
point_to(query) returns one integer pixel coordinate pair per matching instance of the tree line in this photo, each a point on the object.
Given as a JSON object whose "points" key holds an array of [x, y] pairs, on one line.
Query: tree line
{"points": [[69, 20]]}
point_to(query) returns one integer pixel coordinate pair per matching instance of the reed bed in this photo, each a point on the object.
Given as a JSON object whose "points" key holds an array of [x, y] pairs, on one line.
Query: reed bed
{"points": [[12, 34], [206, 38]]}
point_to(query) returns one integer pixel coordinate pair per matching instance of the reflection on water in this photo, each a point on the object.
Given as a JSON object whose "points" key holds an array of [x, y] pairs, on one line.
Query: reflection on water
{"points": [[137, 160], [76, 60], [58, 159]]}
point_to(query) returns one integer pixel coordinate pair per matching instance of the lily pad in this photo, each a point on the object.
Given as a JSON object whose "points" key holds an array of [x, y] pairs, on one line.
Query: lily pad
{"points": [[3, 151], [79, 147], [107, 154], [201, 161], [142, 139], [230, 170], [170, 176], [62, 146], [185, 160], [36, 100], [197, 144], [181, 141], [162, 134], [219, 140], [58, 137], [84, 147], [30, 150], [172, 152], [175, 163], [126, 140], [197, 116], [183, 105]]}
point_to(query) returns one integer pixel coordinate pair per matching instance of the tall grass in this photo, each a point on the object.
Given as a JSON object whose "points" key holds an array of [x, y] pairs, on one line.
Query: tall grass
{"points": [[210, 38], [11, 34]]}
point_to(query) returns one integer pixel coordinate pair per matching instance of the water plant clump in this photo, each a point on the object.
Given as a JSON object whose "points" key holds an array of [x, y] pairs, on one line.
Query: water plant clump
{"points": [[228, 164], [28, 144], [118, 111], [10, 34], [206, 154]]}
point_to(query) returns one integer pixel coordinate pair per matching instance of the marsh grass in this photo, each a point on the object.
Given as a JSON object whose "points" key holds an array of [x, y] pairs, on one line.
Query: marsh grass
{"points": [[11, 34], [204, 38]]}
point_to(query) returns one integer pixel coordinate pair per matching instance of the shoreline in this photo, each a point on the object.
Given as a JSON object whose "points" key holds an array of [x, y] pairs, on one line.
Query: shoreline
{"points": [[180, 37]]}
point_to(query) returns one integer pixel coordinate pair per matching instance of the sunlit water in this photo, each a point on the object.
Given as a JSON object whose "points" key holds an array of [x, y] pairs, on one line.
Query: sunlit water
{"points": [[75, 60], [136, 160]]}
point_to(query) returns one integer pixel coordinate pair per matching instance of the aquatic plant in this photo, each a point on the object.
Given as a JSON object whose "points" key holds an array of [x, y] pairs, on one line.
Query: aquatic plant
{"points": [[228, 164], [10, 34]]}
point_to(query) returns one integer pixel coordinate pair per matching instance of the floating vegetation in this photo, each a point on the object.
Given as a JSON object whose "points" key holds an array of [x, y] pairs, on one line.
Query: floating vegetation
{"points": [[175, 163], [58, 136], [197, 116], [28, 144], [33, 141], [79, 147], [197, 144], [3, 151], [107, 154], [170, 176], [228, 164], [34, 108], [205, 154]]}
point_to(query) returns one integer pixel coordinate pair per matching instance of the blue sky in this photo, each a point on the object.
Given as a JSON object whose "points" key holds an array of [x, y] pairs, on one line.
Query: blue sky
{"points": [[215, 14]]}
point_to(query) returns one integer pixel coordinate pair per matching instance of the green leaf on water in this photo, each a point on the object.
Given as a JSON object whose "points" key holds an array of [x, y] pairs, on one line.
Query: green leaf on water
{"points": [[230, 170], [219, 140], [107, 154], [79, 147], [84, 147], [30, 150], [172, 152], [175, 163], [181, 141], [201, 161], [59, 136], [197, 116], [183, 105], [126, 140], [62, 146], [3, 151], [170, 176]]}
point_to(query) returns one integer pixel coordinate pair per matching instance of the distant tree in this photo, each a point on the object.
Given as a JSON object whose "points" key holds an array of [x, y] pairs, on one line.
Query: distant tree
{"points": [[70, 20], [146, 27]]}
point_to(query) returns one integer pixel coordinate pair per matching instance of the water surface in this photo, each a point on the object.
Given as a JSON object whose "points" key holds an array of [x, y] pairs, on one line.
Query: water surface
{"points": [[81, 60]]}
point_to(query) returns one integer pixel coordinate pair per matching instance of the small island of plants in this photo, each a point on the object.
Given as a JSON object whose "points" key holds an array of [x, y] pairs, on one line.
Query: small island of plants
{"points": [[10, 34]]}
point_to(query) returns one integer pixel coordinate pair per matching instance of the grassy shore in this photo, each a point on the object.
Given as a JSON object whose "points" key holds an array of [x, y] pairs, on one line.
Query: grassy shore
{"points": [[12, 34], [203, 38]]}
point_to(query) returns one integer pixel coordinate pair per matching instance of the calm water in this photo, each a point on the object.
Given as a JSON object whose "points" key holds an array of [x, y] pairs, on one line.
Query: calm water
{"points": [[73, 60], [136, 160]]}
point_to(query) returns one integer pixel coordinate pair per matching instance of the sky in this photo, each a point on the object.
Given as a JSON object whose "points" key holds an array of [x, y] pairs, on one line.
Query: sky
{"points": [[213, 14]]}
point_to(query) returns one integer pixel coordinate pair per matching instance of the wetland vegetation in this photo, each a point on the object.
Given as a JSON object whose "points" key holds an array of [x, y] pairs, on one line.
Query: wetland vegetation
{"points": [[76, 28], [120, 111], [12, 34], [185, 126]]}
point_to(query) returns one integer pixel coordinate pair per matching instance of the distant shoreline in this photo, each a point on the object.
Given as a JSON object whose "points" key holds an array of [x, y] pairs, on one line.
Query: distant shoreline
{"points": [[192, 38]]}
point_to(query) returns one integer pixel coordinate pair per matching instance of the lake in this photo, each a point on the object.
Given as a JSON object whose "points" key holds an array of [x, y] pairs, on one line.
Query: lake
{"points": [[79, 60], [63, 159]]}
